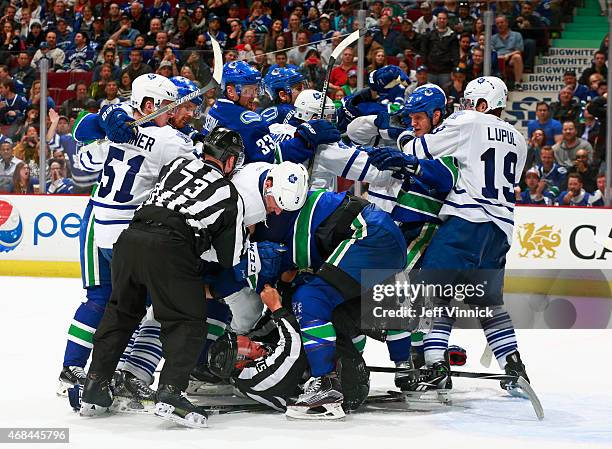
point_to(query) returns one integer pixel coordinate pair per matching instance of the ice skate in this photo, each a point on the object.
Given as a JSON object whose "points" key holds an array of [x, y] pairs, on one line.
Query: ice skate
{"points": [[203, 383], [321, 400], [132, 395], [171, 405], [97, 397], [514, 367], [69, 377], [406, 380]]}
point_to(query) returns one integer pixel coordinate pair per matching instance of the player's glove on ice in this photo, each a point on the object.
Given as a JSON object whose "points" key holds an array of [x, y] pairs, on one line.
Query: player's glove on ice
{"points": [[318, 132], [115, 123], [402, 164]]}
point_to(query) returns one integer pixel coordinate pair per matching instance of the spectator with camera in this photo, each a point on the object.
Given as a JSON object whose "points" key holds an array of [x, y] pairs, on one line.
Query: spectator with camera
{"points": [[565, 151], [312, 69], [553, 174], [534, 148]]}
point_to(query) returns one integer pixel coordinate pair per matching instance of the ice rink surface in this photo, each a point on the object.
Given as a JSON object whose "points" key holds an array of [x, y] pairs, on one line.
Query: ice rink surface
{"points": [[570, 371]]}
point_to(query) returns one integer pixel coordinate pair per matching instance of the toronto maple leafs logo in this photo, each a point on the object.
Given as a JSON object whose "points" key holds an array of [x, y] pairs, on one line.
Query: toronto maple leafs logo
{"points": [[292, 178], [316, 95]]}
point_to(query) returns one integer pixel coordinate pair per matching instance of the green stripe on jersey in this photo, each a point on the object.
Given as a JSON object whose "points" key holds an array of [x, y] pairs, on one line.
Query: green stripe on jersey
{"points": [[397, 335], [80, 334], [359, 342], [449, 162], [420, 203], [325, 331], [360, 230], [417, 247], [301, 231]]}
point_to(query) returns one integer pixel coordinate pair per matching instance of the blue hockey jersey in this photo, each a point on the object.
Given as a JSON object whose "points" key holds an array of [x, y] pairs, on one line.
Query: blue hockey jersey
{"points": [[281, 113]]}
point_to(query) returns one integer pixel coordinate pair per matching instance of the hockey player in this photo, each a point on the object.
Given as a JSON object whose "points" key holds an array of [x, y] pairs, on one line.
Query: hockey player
{"points": [[478, 215], [193, 214], [283, 85], [241, 83]]}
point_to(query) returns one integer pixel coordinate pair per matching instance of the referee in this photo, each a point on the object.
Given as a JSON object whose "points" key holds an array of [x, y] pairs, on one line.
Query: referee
{"points": [[193, 215]]}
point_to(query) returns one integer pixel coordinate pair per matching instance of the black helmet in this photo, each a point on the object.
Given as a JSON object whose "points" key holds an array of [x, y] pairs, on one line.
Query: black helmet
{"points": [[222, 143], [223, 355]]}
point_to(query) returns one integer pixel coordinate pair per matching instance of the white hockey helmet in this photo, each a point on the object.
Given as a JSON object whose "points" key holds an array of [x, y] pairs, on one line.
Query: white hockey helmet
{"points": [[150, 85], [308, 105], [289, 185], [489, 88]]}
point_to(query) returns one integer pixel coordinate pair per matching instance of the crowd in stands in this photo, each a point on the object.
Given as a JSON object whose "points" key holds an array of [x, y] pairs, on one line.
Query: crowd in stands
{"points": [[95, 48]]}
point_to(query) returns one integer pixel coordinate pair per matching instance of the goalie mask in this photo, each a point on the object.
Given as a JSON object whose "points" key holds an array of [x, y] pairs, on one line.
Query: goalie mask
{"points": [[231, 353]]}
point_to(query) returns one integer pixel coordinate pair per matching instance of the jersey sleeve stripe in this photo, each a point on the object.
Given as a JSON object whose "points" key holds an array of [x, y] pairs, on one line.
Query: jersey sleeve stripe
{"points": [[113, 206], [364, 172], [349, 164]]}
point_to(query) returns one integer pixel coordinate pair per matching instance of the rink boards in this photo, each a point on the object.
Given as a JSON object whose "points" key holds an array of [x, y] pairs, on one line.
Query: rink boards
{"points": [[552, 246]]}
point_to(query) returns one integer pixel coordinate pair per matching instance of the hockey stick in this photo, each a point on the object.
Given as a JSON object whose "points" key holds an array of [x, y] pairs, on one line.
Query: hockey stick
{"points": [[486, 357], [346, 42], [521, 382], [214, 82]]}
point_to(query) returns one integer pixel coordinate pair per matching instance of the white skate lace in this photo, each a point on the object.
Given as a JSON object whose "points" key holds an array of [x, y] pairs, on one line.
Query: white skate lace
{"points": [[78, 372], [312, 385]]}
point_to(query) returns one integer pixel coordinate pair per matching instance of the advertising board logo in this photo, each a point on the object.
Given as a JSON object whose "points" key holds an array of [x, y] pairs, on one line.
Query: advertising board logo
{"points": [[538, 242], [11, 227]]}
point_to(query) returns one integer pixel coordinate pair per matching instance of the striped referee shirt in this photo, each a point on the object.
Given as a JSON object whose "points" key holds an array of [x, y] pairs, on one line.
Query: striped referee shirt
{"points": [[210, 203], [272, 379]]}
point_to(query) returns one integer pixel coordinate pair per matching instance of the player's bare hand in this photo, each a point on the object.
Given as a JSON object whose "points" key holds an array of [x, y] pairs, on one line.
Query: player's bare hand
{"points": [[271, 298]]}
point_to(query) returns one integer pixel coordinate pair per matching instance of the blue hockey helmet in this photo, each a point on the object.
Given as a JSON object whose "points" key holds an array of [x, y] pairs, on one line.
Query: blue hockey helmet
{"points": [[282, 78], [239, 74], [427, 98], [185, 86]]}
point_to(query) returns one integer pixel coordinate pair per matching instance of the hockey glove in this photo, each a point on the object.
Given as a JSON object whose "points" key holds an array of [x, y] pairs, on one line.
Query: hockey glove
{"points": [[386, 158], [318, 132], [382, 120], [263, 260], [457, 355], [384, 79], [115, 123]]}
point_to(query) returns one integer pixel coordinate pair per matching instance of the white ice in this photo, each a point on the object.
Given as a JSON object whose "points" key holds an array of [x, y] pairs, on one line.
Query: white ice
{"points": [[570, 370]]}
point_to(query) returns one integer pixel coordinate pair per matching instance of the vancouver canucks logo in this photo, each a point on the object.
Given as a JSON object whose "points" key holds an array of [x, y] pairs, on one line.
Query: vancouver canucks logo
{"points": [[428, 92], [292, 178]]}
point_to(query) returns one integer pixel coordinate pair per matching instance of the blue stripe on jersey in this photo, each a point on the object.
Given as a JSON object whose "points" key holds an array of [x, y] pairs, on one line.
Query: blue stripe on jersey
{"points": [[475, 206], [382, 197], [112, 222], [459, 191], [364, 171], [349, 164], [425, 148], [511, 209], [114, 206], [85, 166]]}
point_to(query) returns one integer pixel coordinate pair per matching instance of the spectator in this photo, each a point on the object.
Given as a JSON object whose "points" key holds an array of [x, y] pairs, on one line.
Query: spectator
{"points": [[567, 108], [565, 151], [536, 192], [339, 74], [235, 35], [22, 182], [325, 30], [258, 20], [343, 22], [351, 86], [33, 6], [97, 88], [71, 107], [28, 150], [97, 35], [136, 67], [24, 72], [585, 169], [261, 61], [327, 50], [494, 58], [155, 26], [109, 59], [594, 80], [533, 30], [198, 20], [441, 51], [337, 98], [421, 78], [60, 12], [189, 5], [125, 86], [138, 16], [589, 128], [160, 9], [200, 69], [184, 37], [379, 60], [102, 8], [10, 15], [580, 91], [387, 36], [84, 22], [475, 65], [246, 47], [509, 45], [233, 14], [65, 36], [49, 51], [465, 49], [214, 30], [8, 163], [79, 58], [12, 106], [427, 22], [111, 94], [57, 182], [34, 98], [600, 193], [575, 195], [125, 35], [454, 90], [371, 47], [113, 22], [552, 128], [463, 23], [534, 148], [478, 29], [35, 38], [24, 23], [10, 43], [297, 55], [554, 174], [598, 66], [6, 76], [408, 41], [312, 69], [32, 118]]}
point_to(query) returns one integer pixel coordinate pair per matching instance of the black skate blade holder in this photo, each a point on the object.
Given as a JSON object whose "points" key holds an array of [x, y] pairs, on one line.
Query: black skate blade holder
{"points": [[520, 381]]}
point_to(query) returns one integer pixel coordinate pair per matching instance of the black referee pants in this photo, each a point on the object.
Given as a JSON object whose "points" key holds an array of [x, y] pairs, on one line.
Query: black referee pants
{"points": [[155, 254]]}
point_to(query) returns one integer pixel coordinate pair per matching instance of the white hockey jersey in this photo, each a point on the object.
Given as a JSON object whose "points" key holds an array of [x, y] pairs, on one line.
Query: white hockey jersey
{"points": [[491, 156], [244, 179], [363, 131], [130, 172]]}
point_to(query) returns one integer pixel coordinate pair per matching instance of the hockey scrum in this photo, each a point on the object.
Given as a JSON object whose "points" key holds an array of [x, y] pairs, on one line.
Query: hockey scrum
{"points": [[217, 250]]}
